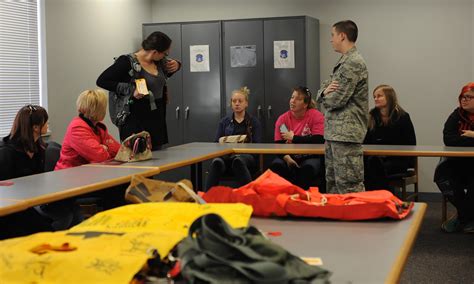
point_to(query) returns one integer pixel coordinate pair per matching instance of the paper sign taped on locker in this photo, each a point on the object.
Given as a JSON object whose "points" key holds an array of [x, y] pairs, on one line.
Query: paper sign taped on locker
{"points": [[284, 54], [243, 56], [199, 57]]}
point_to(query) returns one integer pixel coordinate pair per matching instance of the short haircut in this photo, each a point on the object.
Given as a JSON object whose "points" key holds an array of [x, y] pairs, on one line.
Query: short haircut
{"points": [[92, 104], [349, 28], [157, 41], [307, 96]]}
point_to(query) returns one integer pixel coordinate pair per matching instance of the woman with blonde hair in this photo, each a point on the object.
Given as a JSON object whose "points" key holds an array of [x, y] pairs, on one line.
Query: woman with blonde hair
{"points": [[389, 124], [87, 139], [240, 122]]}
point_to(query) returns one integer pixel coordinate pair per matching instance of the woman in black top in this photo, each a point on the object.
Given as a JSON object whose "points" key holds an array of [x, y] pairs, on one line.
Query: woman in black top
{"points": [[389, 124], [23, 151], [23, 154], [147, 111], [459, 131]]}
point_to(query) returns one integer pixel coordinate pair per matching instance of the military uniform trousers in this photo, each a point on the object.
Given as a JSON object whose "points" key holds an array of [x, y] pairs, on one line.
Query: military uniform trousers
{"points": [[344, 167]]}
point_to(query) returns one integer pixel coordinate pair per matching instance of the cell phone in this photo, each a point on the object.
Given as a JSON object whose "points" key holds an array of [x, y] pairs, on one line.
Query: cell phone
{"points": [[283, 128]]}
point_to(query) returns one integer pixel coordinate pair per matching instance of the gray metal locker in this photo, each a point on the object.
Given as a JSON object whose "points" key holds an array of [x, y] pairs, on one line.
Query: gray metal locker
{"points": [[271, 88], [241, 33], [279, 82], [201, 90]]}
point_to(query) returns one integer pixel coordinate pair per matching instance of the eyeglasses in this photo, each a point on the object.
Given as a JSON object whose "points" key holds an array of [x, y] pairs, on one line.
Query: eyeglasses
{"points": [[466, 97]]}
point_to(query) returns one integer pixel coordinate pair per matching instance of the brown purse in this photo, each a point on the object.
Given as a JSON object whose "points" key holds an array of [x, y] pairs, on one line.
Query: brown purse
{"points": [[137, 147], [143, 190]]}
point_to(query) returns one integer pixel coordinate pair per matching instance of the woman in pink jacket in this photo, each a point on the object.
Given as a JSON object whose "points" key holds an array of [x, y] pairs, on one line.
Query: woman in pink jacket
{"points": [[87, 139]]}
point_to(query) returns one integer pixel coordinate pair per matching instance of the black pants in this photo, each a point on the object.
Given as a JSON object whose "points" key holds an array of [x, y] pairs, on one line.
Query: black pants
{"points": [[142, 119], [461, 188], [377, 170], [59, 215], [240, 166], [303, 176], [23, 223]]}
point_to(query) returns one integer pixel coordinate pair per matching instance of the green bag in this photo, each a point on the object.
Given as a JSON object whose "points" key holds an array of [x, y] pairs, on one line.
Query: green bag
{"points": [[214, 252]]}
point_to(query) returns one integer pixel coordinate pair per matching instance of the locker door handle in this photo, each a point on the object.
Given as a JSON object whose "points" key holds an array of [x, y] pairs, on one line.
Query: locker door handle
{"points": [[177, 112], [259, 111], [269, 110], [186, 113]]}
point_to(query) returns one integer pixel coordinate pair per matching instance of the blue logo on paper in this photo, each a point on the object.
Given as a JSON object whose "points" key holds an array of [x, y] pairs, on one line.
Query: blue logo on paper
{"points": [[283, 54], [199, 57]]}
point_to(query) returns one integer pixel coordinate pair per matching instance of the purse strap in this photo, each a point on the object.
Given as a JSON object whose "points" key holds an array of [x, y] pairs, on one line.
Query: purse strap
{"points": [[191, 193]]}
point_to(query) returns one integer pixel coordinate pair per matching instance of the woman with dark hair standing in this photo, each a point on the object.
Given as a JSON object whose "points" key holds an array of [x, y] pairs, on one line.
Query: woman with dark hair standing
{"points": [[146, 111], [389, 124], [459, 132]]}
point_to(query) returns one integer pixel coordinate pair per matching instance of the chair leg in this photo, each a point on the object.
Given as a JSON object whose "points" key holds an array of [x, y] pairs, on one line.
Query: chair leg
{"points": [[416, 191], [444, 206]]}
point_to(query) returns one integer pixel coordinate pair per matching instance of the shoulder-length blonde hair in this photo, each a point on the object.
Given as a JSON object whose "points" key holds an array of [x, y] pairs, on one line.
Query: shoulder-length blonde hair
{"points": [[92, 104], [394, 109]]}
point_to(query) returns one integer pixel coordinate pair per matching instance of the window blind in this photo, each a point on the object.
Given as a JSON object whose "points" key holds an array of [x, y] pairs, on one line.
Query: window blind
{"points": [[19, 59]]}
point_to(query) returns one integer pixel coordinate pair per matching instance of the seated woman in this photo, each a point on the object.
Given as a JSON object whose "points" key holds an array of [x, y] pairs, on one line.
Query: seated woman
{"points": [[302, 124], [87, 139], [389, 124], [24, 150], [459, 131], [240, 122], [22, 153]]}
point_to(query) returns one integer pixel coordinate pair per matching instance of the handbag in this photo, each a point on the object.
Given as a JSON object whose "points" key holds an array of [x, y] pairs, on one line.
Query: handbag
{"points": [[143, 189], [214, 252], [137, 147], [233, 139]]}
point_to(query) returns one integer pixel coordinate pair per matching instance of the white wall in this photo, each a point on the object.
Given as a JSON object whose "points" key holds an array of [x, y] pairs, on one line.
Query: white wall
{"points": [[82, 38], [423, 48]]}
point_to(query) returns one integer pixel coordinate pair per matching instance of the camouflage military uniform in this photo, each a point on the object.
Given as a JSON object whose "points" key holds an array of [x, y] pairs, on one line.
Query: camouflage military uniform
{"points": [[346, 113]]}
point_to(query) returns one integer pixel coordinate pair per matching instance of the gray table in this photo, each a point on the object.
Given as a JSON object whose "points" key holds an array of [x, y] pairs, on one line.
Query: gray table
{"points": [[38, 189], [372, 150], [53, 186], [356, 252]]}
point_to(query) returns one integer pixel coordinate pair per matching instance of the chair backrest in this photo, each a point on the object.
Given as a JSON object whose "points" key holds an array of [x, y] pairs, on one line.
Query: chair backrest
{"points": [[52, 153]]}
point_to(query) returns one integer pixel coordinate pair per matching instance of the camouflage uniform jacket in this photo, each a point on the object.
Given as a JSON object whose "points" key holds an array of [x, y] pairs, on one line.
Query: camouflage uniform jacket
{"points": [[346, 111]]}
